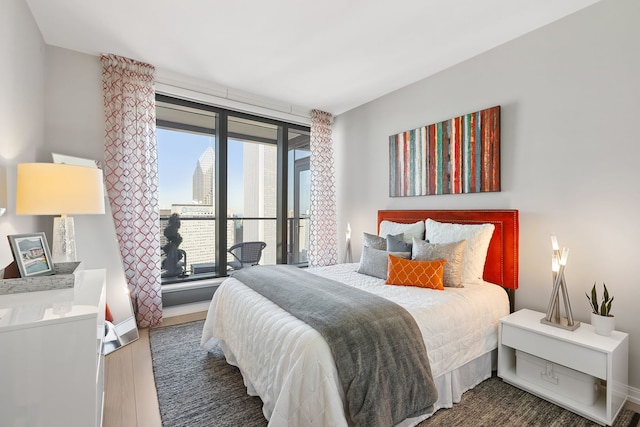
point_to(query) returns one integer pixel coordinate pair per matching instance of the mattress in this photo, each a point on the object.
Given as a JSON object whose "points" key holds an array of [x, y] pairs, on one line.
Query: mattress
{"points": [[289, 365]]}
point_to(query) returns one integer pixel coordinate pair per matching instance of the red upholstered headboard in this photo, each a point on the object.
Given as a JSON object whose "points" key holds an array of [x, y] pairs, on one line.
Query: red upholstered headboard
{"points": [[501, 266]]}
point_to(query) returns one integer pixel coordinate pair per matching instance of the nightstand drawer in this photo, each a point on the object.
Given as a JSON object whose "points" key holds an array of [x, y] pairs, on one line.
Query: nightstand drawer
{"points": [[583, 359]]}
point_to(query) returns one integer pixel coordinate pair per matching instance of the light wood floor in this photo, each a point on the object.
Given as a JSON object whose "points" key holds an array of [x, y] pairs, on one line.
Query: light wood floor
{"points": [[130, 398], [130, 391]]}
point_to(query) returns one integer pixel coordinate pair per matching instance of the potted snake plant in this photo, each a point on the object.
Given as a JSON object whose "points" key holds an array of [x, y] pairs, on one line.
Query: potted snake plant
{"points": [[601, 318]]}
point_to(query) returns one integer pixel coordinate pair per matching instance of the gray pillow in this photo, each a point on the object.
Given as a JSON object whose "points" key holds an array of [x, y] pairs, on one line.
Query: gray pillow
{"points": [[397, 244], [375, 262], [377, 242], [451, 252], [374, 241]]}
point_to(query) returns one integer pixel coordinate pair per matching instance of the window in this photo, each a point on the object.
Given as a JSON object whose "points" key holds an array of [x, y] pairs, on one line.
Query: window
{"points": [[229, 177], [299, 197]]}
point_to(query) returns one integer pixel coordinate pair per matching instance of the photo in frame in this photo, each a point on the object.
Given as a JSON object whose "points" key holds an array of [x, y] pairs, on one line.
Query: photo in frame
{"points": [[31, 254]]}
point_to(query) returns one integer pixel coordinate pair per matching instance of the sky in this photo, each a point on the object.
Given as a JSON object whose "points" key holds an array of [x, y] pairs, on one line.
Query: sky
{"points": [[178, 154]]}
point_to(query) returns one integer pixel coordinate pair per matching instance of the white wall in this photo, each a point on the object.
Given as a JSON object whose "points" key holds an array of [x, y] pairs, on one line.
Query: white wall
{"points": [[74, 104], [51, 101], [570, 97], [74, 125], [21, 110]]}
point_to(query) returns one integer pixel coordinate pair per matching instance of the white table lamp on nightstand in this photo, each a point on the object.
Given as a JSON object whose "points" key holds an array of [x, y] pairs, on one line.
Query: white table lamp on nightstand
{"points": [[59, 189]]}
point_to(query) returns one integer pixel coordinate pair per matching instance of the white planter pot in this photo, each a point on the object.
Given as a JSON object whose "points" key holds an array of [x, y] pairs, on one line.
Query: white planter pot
{"points": [[603, 325]]}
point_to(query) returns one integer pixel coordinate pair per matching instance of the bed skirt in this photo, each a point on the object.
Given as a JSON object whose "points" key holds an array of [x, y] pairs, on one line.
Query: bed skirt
{"points": [[450, 385], [453, 384]]}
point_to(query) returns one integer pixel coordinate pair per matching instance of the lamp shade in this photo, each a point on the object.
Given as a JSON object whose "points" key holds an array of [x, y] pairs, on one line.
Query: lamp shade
{"points": [[58, 189]]}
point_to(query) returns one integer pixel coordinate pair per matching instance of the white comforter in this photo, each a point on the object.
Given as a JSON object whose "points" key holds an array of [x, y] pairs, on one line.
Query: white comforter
{"points": [[289, 365]]}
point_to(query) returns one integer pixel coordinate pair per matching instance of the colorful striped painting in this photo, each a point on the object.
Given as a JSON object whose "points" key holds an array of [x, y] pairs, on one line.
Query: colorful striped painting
{"points": [[460, 155]]}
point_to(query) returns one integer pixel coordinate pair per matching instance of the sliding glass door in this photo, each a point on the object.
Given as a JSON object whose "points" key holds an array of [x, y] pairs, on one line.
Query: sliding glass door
{"points": [[299, 199], [226, 178]]}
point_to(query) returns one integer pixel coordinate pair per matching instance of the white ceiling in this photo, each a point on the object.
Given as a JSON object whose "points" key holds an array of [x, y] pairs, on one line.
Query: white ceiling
{"points": [[333, 55]]}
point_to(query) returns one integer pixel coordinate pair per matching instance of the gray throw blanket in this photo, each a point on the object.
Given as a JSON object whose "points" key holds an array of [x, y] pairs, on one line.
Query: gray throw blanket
{"points": [[378, 349]]}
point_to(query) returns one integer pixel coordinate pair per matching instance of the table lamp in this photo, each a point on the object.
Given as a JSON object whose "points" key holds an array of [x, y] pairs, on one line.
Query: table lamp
{"points": [[347, 252], [558, 264], [59, 189]]}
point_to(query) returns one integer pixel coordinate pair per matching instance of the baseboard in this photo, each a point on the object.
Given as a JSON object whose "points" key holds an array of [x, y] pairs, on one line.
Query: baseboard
{"points": [[634, 395]]}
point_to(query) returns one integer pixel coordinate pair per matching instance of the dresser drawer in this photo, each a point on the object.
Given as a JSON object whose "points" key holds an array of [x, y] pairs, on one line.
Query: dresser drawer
{"points": [[580, 358]]}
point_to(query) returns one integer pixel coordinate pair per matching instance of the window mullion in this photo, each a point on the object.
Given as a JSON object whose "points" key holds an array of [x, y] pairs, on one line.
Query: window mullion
{"points": [[221, 192], [281, 223]]}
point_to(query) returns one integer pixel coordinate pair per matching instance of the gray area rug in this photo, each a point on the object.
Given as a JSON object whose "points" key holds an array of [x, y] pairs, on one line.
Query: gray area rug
{"points": [[199, 389]]}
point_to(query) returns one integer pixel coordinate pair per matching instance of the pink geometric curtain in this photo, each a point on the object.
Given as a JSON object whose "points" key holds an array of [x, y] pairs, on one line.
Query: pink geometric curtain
{"points": [[131, 175], [323, 245]]}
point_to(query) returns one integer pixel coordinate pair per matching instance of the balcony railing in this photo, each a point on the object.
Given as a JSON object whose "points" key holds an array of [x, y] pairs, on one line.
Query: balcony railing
{"points": [[199, 243]]}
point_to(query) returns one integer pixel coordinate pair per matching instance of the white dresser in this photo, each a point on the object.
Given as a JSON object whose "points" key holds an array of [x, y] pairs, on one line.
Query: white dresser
{"points": [[51, 362]]}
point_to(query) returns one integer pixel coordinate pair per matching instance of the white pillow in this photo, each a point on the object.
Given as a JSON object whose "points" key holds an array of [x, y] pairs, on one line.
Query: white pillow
{"points": [[409, 231], [477, 236]]}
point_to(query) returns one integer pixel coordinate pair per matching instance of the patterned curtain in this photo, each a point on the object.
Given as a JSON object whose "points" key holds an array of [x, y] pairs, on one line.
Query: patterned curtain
{"points": [[131, 175], [323, 229]]}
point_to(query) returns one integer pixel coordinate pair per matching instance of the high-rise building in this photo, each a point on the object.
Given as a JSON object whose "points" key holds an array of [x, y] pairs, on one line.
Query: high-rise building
{"points": [[197, 228], [197, 225], [260, 196], [204, 178]]}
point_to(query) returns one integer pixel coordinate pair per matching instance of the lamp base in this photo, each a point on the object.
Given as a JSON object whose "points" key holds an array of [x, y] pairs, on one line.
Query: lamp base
{"points": [[347, 252], [563, 323], [64, 241]]}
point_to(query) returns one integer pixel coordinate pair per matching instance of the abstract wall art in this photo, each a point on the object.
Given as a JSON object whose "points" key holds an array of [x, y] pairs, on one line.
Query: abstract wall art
{"points": [[456, 156]]}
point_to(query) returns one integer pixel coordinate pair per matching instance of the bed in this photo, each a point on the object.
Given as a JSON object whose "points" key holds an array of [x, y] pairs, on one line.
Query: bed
{"points": [[289, 365]]}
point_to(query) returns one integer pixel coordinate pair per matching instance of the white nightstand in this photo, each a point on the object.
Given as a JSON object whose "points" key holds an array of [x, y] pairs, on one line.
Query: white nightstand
{"points": [[583, 350]]}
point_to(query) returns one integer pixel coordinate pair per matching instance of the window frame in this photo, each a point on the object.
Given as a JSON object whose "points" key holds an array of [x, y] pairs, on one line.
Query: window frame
{"points": [[221, 136]]}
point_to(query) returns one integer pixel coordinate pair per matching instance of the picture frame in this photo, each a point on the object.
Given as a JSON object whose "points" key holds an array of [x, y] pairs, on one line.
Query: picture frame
{"points": [[456, 156], [32, 254]]}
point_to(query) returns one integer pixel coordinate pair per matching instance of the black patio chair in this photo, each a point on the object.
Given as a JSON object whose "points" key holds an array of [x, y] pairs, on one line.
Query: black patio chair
{"points": [[246, 254]]}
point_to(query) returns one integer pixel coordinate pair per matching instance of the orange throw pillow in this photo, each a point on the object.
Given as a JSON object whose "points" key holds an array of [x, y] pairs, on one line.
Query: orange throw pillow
{"points": [[425, 274]]}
